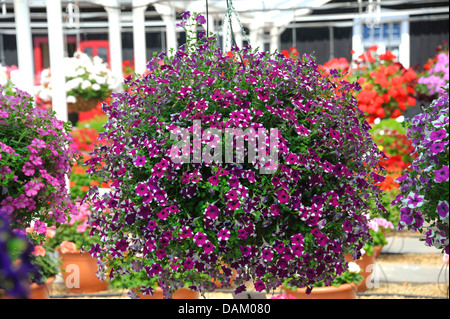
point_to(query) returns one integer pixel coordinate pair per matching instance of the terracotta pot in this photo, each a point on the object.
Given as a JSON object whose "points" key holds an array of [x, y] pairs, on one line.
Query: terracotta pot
{"points": [[78, 272], [366, 263], [377, 251], [41, 291], [345, 291], [183, 293]]}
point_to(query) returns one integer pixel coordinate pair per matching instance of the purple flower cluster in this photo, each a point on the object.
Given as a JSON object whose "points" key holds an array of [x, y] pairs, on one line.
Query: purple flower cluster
{"points": [[34, 162], [425, 187], [189, 222]]}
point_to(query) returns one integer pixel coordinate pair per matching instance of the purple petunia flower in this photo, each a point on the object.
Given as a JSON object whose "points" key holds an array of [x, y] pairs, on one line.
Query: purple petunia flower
{"points": [[212, 212], [414, 200], [441, 174], [442, 209], [438, 135], [200, 239], [208, 247], [32, 188], [28, 169], [259, 285], [200, 19], [223, 234], [186, 15], [140, 161], [186, 232], [142, 189], [437, 147], [40, 227], [282, 196]]}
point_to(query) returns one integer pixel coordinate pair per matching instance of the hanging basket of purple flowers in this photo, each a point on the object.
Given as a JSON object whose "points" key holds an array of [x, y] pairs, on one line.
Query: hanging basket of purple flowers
{"points": [[35, 162], [423, 200], [256, 164]]}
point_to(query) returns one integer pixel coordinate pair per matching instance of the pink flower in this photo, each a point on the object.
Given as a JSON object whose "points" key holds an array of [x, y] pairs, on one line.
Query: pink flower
{"points": [[32, 188], [28, 169], [67, 247], [38, 143], [39, 251], [36, 160], [40, 227]]}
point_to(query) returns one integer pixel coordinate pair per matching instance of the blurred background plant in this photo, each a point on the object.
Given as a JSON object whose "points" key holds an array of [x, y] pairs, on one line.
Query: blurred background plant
{"points": [[435, 75]]}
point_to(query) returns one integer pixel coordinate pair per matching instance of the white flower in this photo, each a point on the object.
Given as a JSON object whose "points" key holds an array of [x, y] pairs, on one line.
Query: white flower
{"points": [[353, 267], [71, 99], [86, 85], [100, 79], [95, 87], [45, 94], [73, 84], [80, 71]]}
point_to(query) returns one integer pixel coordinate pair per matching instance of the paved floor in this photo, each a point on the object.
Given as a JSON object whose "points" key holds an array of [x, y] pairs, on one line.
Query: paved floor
{"points": [[410, 273]]}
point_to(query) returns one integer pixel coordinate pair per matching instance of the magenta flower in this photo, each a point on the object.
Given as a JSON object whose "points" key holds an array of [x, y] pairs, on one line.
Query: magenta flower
{"points": [[140, 161], [437, 147], [38, 143], [214, 180], [32, 188], [212, 212], [233, 204], [188, 264], [442, 209], [414, 200], [200, 19], [282, 196], [208, 247], [441, 174], [200, 239], [40, 227], [438, 135], [142, 189], [36, 160], [259, 285], [223, 234], [28, 169], [267, 254]]}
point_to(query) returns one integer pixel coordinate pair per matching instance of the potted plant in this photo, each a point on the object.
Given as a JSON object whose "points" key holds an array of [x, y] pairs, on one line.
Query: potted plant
{"points": [[267, 218], [344, 286], [88, 81], [423, 200], [71, 240], [388, 88], [47, 263]]}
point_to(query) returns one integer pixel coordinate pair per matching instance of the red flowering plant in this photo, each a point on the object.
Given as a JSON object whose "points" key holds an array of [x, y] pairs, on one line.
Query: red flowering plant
{"points": [[35, 159], [388, 88], [292, 53], [86, 138], [340, 64], [188, 212]]}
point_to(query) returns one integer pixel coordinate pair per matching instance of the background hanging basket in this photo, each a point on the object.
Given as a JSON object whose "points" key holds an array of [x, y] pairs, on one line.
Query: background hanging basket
{"points": [[82, 105]]}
